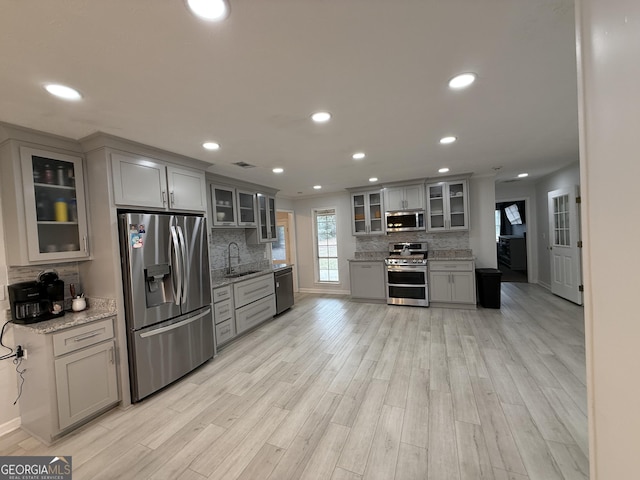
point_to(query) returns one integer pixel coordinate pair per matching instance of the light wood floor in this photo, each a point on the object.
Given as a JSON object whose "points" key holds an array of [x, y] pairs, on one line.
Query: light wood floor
{"points": [[340, 390]]}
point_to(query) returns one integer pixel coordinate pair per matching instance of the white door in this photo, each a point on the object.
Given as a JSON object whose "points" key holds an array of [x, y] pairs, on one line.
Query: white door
{"points": [[564, 234]]}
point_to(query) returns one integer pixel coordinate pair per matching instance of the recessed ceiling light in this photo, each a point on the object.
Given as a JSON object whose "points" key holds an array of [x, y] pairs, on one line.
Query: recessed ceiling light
{"points": [[447, 140], [278, 170], [211, 145], [358, 156], [373, 179], [321, 117], [317, 187], [522, 175], [62, 91], [443, 170], [211, 10], [462, 81]]}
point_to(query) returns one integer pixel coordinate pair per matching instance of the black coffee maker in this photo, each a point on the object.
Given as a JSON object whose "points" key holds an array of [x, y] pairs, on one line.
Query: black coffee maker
{"points": [[37, 300]]}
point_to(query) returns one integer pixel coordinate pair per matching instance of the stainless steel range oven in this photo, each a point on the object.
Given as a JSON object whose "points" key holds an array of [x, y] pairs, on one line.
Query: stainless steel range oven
{"points": [[407, 274]]}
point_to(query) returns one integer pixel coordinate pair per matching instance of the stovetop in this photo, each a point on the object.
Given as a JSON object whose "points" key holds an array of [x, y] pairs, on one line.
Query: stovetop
{"points": [[407, 254]]}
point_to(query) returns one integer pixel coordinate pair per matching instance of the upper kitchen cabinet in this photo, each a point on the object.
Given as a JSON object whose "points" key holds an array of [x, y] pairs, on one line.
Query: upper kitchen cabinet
{"points": [[409, 197], [447, 206], [142, 182], [266, 231], [232, 207], [44, 204], [223, 206], [367, 213]]}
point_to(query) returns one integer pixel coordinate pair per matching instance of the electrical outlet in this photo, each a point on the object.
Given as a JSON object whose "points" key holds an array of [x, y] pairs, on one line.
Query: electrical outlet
{"points": [[24, 354], [2, 294]]}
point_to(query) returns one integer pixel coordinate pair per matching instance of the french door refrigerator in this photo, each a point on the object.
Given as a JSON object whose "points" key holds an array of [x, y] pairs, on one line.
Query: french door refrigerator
{"points": [[167, 291]]}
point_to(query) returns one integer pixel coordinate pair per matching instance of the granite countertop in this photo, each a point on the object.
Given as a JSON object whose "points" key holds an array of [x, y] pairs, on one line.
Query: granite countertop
{"points": [[97, 310], [368, 256], [224, 281], [463, 254]]}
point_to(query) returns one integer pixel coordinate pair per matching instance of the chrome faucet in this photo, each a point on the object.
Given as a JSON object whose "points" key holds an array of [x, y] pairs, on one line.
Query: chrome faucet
{"points": [[230, 269]]}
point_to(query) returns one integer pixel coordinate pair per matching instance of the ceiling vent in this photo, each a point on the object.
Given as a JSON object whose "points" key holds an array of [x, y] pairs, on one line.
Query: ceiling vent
{"points": [[244, 165]]}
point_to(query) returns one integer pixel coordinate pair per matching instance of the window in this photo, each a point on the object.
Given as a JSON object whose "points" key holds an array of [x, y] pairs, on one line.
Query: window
{"points": [[498, 224], [326, 245]]}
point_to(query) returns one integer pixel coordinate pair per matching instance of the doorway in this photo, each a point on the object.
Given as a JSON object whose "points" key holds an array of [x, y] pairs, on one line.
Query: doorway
{"points": [[511, 240], [284, 250]]}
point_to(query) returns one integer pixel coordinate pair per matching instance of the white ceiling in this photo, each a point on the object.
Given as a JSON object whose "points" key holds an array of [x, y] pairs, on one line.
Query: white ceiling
{"points": [[151, 72]]}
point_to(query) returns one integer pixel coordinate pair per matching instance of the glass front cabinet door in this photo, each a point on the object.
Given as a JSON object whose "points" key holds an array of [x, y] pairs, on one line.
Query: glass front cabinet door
{"points": [[55, 212], [447, 206], [367, 213]]}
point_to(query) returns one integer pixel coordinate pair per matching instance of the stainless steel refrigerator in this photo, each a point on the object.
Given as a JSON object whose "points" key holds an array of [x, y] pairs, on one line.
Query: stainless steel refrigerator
{"points": [[167, 291]]}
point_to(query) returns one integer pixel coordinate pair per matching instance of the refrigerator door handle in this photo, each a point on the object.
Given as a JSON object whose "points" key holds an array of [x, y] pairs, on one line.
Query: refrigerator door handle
{"points": [[177, 271], [185, 274], [158, 331]]}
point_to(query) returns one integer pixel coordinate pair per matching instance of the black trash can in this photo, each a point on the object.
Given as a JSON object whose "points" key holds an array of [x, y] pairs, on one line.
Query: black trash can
{"points": [[488, 281]]}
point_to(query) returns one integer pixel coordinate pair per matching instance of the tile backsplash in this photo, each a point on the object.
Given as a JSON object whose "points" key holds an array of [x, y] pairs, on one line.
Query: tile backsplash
{"points": [[252, 257], [435, 241], [68, 272]]}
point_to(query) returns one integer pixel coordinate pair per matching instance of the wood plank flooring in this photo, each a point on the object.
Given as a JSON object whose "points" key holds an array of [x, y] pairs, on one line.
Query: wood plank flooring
{"points": [[339, 390]]}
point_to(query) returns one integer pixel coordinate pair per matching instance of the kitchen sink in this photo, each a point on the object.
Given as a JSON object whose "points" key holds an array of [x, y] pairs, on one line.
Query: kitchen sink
{"points": [[241, 274]]}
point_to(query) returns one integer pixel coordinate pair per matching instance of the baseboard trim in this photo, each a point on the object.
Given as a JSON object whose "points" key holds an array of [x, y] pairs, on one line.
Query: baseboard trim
{"points": [[10, 426], [544, 285], [325, 291]]}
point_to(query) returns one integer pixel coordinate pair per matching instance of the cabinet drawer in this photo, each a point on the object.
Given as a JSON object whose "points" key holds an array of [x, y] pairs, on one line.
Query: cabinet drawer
{"points": [[222, 293], [249, 291], [255, 313], [225, 331], [83, 336], [222, 311], [451, 265]]}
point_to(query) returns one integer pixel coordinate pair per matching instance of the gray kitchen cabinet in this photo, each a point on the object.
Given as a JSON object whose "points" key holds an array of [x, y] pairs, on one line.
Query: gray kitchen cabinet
{"points": [[266, 231], [368, 280], [85, 383], [367, 213], [255, 301], [43, 194], [447, 206], [452, 283], [223, 314], [409, 197], [72, 377], [143, 182], [232, 207]]}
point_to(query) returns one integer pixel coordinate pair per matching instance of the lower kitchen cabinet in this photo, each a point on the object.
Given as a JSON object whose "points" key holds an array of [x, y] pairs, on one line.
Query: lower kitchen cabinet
{"points": [[368, 280], [223, 314], [257, 312], [255, 301], [452, 283], [242, 305], [71, 377]]}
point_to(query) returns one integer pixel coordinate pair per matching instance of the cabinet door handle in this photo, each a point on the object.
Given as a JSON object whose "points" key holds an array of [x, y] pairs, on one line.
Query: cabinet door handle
{"points": [[86, 245], [111, 355], [80, 338], [164, 198], [173, 200]]}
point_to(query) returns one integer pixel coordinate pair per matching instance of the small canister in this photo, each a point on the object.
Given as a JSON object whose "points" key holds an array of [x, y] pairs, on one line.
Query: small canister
{"points": [[61, 210]]}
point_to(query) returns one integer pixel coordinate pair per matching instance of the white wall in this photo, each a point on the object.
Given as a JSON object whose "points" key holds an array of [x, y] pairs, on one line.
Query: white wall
{"points": [[9, 413], [482, 234], [565, 177], [303, 209], [608, 72]]}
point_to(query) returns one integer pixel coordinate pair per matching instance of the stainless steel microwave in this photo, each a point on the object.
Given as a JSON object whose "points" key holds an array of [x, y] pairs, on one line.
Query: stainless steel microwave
{"points": [[405, 221]]}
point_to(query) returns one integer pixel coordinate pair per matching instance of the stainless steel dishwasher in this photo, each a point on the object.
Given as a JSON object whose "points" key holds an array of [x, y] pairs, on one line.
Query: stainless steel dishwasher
{"points": [[284, 289]]}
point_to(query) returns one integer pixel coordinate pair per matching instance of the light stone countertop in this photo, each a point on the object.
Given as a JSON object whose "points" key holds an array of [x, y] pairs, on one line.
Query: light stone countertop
{"points": [[224, 281], [97, 310]]}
